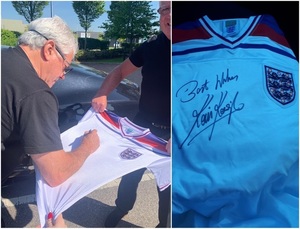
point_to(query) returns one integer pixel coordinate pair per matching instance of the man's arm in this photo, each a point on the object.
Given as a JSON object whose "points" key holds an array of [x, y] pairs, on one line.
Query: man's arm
{"points": [[112, 80], [58, 166]]}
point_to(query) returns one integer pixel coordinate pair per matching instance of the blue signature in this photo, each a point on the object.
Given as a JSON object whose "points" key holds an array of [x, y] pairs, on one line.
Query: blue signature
{"points": [[210, 114], [225, 79]]}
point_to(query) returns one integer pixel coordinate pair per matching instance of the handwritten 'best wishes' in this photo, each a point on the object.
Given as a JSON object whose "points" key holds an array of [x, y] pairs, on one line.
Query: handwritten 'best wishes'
{"points": [[213, 108]]}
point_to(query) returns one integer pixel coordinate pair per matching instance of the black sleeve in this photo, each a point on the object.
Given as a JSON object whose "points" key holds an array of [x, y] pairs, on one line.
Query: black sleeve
{"points": [[137, 57], [38, 122]]}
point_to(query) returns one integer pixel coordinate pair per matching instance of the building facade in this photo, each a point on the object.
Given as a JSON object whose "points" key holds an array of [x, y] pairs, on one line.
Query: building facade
{"points": [[13, 25]]}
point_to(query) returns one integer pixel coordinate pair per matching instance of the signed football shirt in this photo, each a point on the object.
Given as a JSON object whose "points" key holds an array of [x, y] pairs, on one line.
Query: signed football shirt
{"points": [[124, 147], [235, 124]]}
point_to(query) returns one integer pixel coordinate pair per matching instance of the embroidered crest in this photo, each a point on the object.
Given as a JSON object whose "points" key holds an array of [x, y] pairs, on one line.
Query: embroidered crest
{"points": [[127, 130], [280, 85], [129, 154]]}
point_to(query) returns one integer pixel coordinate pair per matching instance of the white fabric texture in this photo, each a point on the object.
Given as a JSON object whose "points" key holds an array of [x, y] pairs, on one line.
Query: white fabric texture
{"points": [[124, 148]]}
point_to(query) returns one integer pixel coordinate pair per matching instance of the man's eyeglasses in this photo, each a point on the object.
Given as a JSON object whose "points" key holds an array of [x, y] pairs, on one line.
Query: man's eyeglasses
{"points": [[164, 11], [66, 69]]}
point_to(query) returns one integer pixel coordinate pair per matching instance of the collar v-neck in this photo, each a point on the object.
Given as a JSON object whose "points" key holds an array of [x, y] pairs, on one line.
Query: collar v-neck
{"points": [[245, 29]]}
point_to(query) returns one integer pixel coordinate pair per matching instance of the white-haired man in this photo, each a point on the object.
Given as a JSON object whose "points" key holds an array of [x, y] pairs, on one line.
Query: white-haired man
{"points": [[29, 109]]}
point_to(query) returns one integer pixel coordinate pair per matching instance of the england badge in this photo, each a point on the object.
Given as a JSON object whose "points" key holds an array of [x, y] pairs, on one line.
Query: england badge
{"points": [[280, 85], [129, 154]]}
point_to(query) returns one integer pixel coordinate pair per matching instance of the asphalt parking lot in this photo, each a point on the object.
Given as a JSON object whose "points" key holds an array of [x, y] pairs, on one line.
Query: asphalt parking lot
{"points": [[135, 77]]}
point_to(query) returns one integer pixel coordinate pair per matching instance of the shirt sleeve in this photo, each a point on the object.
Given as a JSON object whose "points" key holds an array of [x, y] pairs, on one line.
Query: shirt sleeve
{"points": [[38, 123], [137, 56]]}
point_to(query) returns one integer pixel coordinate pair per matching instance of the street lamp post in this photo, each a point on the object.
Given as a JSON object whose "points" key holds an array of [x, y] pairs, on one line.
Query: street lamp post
{"points": [[51, 9]]}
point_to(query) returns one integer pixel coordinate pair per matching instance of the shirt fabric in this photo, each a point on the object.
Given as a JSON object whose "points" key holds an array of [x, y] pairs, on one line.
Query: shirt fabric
{"points": [[154, 58], [29, 109], [124, 147], [235, 124]]}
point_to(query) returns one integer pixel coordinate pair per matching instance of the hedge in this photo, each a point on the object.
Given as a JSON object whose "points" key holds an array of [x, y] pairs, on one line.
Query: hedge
{"points": [[92, 43], [9, 38], [83, 55]]}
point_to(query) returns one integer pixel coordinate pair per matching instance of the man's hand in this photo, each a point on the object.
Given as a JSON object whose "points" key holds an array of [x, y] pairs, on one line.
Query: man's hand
{"points": [[99, 103], [90, 141], [58, 223]]}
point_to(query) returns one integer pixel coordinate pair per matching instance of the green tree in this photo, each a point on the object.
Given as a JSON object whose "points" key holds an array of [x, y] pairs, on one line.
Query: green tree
{"points": [[30, 10], [87, 12], [9, 38], [131, 20]]}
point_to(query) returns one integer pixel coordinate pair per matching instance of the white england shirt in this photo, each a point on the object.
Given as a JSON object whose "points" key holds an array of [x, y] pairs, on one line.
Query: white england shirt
{"points": [[235, 124], [124, 147]]}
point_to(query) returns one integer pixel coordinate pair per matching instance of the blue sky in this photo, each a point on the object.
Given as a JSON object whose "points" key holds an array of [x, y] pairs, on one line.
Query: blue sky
{"points": [[62, 9]]}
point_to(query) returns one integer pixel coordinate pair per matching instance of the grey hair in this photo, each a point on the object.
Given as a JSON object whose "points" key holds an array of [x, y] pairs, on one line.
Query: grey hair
{"points": [[54, 29]]}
